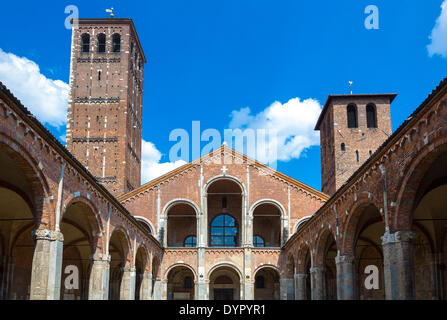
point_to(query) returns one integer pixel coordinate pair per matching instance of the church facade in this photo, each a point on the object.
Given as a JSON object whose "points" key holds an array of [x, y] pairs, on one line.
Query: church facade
{"points": [[75, 222]]}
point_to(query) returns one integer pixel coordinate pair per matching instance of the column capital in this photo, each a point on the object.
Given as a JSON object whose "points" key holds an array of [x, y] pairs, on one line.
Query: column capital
{"points": [[100, 257], [316, 269], [345, 258], [398, 236], [129, 269], [47, 234]]}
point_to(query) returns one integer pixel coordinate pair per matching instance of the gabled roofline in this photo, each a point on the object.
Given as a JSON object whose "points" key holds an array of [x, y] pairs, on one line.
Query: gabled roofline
{"points": [[331, 97], [220, 150], [114, 21]]}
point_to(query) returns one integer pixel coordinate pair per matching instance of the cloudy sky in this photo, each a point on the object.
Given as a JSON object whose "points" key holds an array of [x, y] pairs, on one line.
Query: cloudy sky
{"points": [[237, 64]]}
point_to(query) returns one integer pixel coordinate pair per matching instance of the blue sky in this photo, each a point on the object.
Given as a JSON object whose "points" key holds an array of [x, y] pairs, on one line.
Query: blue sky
{"points": [[209, 59]]}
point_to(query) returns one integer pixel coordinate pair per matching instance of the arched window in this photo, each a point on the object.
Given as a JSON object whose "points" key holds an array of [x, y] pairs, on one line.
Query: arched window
{"points": [[260, 282], [85, 42], [143, 222], [101, 43], [116, 43], [223, 231], [343, 147], [371, 116], [357, 156], [190, 241], [352, 116], [258, 242], [187, 283]]}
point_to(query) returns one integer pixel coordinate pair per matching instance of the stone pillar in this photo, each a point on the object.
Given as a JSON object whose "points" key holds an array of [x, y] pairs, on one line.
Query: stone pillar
{"points": [[247, 281], [345, 277], [128, 284], [300, 286], [398, 265], [160, 289], [47, 265], [286, 289], [146, 286], [202, 290], [317, 283], [99, 278], [202, 287]]}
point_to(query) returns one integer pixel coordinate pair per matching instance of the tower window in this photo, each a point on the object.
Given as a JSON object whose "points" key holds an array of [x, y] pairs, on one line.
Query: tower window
{"points": [[99, 75], [357, 156], [116, 43], [343, 147], [85, 42], [101, 43], [370, 153], [371, 116], [352, 116]]}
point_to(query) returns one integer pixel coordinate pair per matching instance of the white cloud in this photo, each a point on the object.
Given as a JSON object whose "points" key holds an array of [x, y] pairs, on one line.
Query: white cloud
{"points": [[47, 99], [151, 167], [438, 35], [293, 122]]}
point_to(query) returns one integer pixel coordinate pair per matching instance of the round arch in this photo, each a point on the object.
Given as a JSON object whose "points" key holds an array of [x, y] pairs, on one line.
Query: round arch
{"points": [[225, 282], [268, 201], [176, 201], [300, 222], [175, 265], [146, 221], [94, 218], [413, 175], [181, 220], [225, 264], [267, 283], [224, 177], [350, 223], [35, 178]]}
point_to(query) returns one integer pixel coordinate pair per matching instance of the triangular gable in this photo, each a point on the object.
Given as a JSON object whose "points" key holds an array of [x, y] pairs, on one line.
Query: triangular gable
{"points": [[215, 156]]}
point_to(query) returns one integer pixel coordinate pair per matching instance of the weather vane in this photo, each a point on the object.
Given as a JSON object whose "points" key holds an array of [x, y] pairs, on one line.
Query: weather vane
{"points": [[350, 85], [111, 12]]}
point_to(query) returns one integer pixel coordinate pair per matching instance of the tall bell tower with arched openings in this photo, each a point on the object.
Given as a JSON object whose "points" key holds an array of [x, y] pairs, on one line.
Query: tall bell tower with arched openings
{"points": [[352, 127], [106, 101]]}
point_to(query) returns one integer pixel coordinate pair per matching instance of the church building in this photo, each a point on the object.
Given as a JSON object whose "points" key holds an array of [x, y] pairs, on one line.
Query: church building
{"points": [[224, 226]]}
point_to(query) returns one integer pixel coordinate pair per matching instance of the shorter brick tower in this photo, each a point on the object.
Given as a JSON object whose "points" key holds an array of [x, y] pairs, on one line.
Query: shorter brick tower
{"points": [[351, 127], [106, 101]]}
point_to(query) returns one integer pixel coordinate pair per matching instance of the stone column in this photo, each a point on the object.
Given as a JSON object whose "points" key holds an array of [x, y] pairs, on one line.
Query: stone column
{"points": [[247, 281], [300, 286], [128, 284], [398, 265], [146, 286], [317, 283], [47, 265], [202, 288], [345, 277], [99, 278], [286, 289], [160, 289]]}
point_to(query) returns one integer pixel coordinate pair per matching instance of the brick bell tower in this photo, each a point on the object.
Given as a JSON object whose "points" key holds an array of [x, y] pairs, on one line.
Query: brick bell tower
{"points": [[351, 127], [106, 101]]}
